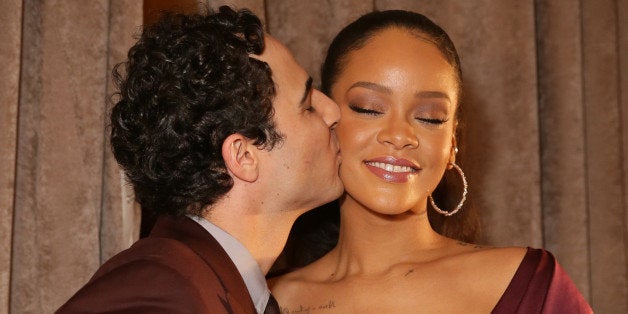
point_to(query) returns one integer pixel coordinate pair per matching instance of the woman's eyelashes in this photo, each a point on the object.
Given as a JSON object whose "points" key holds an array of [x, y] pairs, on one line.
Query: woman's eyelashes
{"points": [[435, 121], [372, 112], [362, 110]]}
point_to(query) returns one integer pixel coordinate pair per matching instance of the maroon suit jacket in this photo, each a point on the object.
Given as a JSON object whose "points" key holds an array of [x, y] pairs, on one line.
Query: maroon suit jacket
{"points": [[179, 268]]}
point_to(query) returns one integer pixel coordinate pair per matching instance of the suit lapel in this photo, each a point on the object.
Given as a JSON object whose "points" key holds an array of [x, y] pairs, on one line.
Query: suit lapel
{"points": [[203, 243]]}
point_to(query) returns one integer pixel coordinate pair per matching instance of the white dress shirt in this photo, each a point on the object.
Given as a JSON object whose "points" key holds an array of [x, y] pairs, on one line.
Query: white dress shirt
{"points": [[245, 263]]}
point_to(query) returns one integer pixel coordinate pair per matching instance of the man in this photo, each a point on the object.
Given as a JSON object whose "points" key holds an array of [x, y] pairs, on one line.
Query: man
{"points": [[220, 132]]}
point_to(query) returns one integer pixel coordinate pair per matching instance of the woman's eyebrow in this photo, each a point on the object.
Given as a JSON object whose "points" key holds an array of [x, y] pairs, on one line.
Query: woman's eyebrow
{"points": [[385, 90], [431, 94], [372, 86]]}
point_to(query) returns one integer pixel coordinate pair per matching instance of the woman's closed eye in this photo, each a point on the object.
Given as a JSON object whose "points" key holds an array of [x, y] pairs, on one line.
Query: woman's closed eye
{"points": [[435, 121], [374, 112], [359, 109]]}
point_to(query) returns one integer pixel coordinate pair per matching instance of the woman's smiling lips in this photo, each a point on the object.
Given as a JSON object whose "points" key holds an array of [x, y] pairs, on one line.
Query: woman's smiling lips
{"points": [[392, 169]]}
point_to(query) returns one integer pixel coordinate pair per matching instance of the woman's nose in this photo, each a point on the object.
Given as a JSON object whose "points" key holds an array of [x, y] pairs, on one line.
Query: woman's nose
{"points": [[398, 133]]}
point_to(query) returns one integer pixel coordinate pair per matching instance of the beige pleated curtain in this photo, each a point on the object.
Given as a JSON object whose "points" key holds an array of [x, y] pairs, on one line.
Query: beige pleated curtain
{"points": [[545, 142]]}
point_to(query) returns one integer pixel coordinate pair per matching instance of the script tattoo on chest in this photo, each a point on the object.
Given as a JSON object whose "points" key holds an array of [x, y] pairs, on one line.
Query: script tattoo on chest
{"points": [[306, 309]]}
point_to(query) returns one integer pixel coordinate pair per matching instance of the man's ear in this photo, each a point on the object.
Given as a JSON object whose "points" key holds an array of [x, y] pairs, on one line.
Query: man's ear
{"points": [[240, 156]]}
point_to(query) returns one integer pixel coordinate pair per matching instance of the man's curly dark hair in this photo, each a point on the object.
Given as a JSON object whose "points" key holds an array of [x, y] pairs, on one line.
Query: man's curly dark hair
{"points": [[190, 82]]}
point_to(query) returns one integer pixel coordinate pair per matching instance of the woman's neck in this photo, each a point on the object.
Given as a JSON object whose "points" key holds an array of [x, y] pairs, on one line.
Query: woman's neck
{"points": [[370, 242]]}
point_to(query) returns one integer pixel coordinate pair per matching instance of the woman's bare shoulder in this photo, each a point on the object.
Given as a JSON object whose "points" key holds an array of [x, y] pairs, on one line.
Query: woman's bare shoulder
{"points": [[493, 267], [509, 251], [491, 259], [507, 256]]}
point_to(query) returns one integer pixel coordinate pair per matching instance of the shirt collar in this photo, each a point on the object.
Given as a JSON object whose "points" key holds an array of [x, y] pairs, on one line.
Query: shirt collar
{"points": [[247, 266]]}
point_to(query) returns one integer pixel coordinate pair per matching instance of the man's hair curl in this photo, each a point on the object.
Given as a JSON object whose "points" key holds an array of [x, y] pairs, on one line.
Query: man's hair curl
{"points": [[190, 82]]}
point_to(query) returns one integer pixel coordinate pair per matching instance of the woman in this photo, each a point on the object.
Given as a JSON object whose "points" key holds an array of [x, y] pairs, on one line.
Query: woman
{"points": [[396, 77]]}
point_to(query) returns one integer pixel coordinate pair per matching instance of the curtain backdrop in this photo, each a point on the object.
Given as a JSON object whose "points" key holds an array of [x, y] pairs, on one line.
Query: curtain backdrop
{"points": [[64, 205], [545, 141]]}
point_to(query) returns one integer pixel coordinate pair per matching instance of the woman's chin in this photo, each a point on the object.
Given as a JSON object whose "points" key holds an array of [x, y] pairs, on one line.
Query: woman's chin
{"points": [[394, 211]]}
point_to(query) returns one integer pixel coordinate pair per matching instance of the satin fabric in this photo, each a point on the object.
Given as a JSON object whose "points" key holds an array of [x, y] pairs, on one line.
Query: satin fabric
{"points": [[540, 285]]}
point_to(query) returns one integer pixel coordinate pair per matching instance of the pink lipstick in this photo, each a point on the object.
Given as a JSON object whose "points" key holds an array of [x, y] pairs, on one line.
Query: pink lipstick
{"points": [[391, 169]]}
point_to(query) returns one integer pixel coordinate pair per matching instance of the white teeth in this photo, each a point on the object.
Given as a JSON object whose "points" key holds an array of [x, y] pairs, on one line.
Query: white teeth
{"points": [[391, 168]]}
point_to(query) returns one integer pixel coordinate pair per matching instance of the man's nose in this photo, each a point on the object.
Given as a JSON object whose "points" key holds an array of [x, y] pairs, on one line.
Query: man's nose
{"points": [[328, 109]]}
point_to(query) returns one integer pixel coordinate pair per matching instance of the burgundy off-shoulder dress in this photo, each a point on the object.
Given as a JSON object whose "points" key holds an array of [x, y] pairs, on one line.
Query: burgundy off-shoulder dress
{"points": [[540, 285]]}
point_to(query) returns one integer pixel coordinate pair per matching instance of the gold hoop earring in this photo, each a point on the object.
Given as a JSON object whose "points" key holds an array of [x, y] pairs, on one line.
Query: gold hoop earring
{"points": [[464, 195]]}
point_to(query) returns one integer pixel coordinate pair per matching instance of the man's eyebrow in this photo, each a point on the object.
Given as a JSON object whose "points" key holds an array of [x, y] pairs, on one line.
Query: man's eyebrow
{"points": [[432, 94], [308, 88], [372, 86]]}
